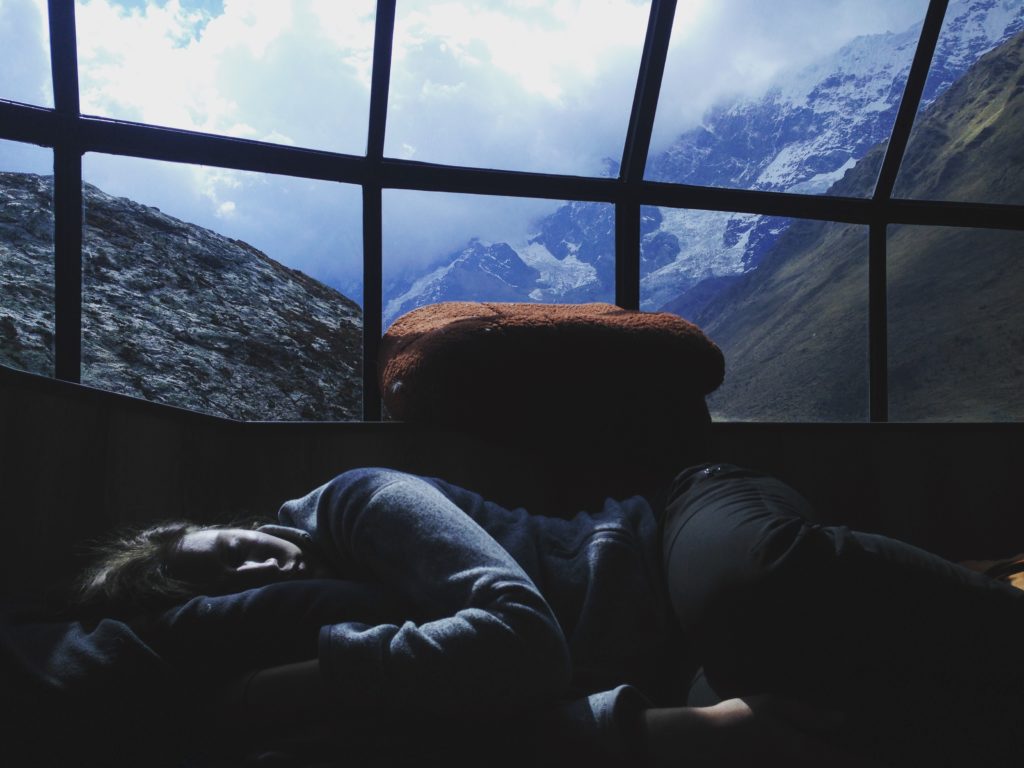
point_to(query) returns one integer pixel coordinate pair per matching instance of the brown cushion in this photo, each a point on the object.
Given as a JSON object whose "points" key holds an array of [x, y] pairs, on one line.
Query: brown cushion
{"points": [[471, 364]]}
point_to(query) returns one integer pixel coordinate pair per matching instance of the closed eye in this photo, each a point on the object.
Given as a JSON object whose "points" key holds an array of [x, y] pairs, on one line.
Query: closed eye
{"points": [[231, 554]]}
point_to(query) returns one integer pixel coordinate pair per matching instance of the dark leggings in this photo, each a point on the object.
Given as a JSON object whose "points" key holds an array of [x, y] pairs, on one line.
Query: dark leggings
{"points": [[922, 654]]}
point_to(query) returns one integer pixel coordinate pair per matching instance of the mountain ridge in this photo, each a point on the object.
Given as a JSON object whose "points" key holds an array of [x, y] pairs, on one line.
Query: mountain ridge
{"points": [[177, 313]]}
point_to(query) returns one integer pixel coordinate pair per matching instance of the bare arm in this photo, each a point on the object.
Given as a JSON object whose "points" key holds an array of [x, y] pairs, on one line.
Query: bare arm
{"points": [[758, 730]]}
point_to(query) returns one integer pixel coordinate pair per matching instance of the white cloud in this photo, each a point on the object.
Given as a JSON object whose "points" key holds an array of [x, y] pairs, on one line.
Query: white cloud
{"points": [[25, 52], [292, 72], [515, 85], [731, 47]]}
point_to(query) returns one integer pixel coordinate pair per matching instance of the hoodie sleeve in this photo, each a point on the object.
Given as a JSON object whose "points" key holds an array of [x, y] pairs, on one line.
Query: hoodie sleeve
{"points": [[483, 638]]}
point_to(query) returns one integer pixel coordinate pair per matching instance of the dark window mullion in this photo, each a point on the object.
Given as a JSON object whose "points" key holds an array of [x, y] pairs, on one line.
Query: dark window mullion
{"points": [[372, 297], [634, 153], [911, 101], [383, 37], [64, 57], [150, 142], [373, 209], [948, 213], [20, 122], [850, 210], [67, 246], [427, 177], [27, 123], [878, 330], [67, 195], [627, 253], [648, 86]]}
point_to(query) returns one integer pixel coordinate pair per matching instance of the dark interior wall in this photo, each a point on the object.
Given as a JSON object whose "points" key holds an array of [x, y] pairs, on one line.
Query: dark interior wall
{"points": [[75, 462], [956, 489]]}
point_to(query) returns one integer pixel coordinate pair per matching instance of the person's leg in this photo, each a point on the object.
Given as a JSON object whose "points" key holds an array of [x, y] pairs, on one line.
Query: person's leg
{"points": [[729, 534], [777, 604]]}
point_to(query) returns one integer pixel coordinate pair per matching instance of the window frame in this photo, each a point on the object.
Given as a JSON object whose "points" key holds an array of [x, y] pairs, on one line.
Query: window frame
{"points": [[71, 134]]}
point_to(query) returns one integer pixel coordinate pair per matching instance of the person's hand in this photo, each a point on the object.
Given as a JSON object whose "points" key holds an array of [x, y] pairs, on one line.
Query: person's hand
{"points": [[758, 730], [774, 731], [315, 567]]}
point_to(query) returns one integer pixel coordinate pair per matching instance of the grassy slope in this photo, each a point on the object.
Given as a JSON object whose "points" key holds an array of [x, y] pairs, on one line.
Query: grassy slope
{"points": [[795, 330]]}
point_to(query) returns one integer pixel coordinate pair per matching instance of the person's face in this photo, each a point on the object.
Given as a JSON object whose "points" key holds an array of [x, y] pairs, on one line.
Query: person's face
{"points": [[235, 559]]}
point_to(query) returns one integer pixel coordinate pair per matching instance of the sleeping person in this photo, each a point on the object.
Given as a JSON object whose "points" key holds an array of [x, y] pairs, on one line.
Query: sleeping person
{"points": [[815, 644]]}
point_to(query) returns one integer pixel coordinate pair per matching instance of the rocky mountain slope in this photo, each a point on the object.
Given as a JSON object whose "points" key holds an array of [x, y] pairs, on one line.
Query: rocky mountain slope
{"points": [[801, 136], [176, 313], [794, 331], [26, 272]]}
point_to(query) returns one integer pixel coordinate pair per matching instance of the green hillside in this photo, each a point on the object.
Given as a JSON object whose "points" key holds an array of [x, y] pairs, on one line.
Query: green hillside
{"points": [[794, 331]]}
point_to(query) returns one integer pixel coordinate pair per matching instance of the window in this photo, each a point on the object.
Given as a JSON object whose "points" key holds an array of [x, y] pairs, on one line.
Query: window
{"points": [[743, 106], [307, 135]]}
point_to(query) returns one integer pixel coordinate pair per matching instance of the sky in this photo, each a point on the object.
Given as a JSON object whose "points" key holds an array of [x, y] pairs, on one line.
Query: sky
{"points": [[536, 85]]}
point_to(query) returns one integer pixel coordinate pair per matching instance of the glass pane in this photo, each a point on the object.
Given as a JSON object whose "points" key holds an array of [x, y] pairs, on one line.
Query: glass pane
{"points": [[956, 324], [783, 96], [538, 86], [224, 298], [294, 73], [793, 330], [451, 247], [965, 145], [25, 52], [26, 258]]}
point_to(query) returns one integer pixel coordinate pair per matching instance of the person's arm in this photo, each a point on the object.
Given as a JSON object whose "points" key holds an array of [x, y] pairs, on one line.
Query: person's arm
{"points": [[483, 638], [757, 730]]}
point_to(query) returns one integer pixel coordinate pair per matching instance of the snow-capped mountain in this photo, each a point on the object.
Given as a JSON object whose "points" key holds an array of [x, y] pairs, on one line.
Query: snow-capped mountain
{"points": [[802, 135]]}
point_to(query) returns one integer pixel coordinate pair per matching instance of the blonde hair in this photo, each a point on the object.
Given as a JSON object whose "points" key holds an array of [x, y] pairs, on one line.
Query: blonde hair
{"points": [[130, 569], [130, 573]]}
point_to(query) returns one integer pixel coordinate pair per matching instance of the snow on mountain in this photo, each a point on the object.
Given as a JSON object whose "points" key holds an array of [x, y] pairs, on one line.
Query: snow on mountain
{"points": [[858, 74], [978, 27], [556, 275], [802, 135], [864, 81]]}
